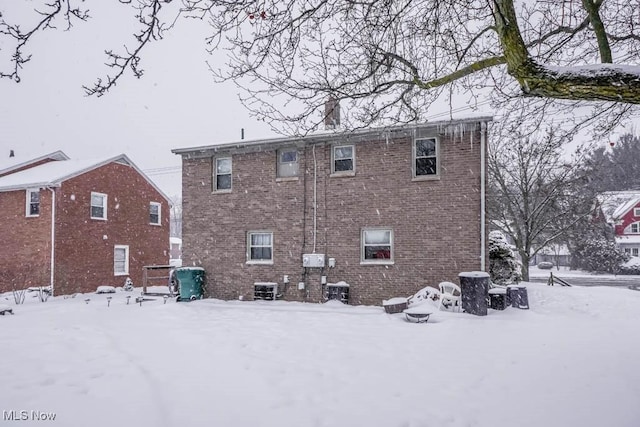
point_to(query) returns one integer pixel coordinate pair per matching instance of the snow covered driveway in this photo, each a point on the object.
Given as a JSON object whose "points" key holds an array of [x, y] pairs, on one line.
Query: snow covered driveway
{"points": [[571, 360]]}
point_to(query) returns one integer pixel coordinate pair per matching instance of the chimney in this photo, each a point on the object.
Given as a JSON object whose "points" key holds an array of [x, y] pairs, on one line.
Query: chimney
{"points": [[11, 153], [331, 113]]}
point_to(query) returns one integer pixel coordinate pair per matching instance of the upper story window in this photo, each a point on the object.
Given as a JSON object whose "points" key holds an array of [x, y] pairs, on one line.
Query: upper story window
{"points": [[425, 158], [636, 212], [287, 162], [343, 159], [633, 228], [98, 206], [154, 213], [120, 260], [33, 202], [377, 246], [260, 247], [222, 174]]}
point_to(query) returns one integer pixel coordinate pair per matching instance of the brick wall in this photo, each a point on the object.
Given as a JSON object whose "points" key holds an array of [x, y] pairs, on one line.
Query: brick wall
{"points": [[84, 248], [436, 223], [84, 257], [25, 248]]}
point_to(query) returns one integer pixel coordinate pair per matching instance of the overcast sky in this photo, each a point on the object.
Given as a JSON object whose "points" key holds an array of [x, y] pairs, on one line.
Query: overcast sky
{"points": [[175, 104]]}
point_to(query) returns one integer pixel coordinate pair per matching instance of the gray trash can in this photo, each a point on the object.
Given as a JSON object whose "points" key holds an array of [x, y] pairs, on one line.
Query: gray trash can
{"points": [[474, 286]]}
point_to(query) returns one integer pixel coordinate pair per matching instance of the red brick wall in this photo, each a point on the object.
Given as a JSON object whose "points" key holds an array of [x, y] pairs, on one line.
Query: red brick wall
{"points": [[84, 258], [435, 223], [25, 248]]}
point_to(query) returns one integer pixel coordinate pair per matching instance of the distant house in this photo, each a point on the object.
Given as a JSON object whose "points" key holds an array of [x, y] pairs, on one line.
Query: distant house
{"points": [[175, 251], [374, 213], [621, 210], [79, 224]]}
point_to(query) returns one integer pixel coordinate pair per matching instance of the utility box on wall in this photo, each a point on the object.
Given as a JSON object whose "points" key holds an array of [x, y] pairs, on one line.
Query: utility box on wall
{"points": [[313, 260]]}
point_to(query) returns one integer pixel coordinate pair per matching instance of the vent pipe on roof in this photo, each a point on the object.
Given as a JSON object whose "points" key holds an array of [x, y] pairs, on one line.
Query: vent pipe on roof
{"points": [[11, 153], [241, 133], [331, 113]]}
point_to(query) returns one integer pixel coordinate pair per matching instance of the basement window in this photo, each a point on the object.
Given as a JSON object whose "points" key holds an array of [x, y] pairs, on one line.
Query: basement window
{"points": [[33, 203]]}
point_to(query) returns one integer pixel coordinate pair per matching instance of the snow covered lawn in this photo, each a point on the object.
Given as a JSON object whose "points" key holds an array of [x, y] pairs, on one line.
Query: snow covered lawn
{"points": [[571, 360]]}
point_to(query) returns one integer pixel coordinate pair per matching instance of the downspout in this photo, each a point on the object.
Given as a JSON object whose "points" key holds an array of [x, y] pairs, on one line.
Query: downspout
{"points": [[315, 197], [53, 236], [483, 173]]}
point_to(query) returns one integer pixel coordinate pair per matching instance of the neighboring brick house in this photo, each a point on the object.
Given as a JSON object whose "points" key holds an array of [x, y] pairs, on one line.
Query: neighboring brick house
{"points": [[621, 210], [79, 224], [391, 209]]}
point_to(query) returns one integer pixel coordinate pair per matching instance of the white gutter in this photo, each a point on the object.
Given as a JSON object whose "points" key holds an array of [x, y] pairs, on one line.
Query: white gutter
{"points": [[483, 173], [53, 235]]}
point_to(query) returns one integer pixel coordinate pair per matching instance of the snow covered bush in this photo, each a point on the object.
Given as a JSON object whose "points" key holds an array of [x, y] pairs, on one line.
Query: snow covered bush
{"points": [[504, 268], [631, 267], [599, 254]]}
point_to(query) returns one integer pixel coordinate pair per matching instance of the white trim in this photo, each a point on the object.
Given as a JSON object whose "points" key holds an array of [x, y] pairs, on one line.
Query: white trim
{"points": [[415, 176], [53, 239], [215, 175], [126, 260], [104, 198], [159, 205], [381, 261], [249, 246], [350, 172], [28, 213]]}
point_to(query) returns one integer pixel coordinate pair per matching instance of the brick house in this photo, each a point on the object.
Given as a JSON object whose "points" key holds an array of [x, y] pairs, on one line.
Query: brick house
{"points": [[621, 211], [79, 224], [386, 211]]}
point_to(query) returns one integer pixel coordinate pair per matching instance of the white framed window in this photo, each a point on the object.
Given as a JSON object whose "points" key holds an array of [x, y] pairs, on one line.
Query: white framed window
{"points": [[425, 158], [120, 260], [634, 251], [287, 163], [633, 228], [343, 159], [222, 171], [627, 250], [636, 212], [33, 202], [376, 246], [260, 247], [155, 212], [98, 205]]}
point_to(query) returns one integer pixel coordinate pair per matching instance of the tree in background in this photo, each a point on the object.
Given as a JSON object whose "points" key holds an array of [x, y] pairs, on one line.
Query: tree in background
{"points": [[598, 254], [391, 60], [504, 268], [533, 192]]}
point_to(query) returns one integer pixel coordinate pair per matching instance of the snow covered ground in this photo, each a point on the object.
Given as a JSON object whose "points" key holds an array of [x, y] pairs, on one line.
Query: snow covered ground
{"points": [[571, 360]]}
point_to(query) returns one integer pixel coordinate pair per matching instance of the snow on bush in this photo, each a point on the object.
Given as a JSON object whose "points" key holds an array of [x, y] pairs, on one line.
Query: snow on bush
{"points": [[504, 268], [600, 255], [105, 290], [631, 267]]}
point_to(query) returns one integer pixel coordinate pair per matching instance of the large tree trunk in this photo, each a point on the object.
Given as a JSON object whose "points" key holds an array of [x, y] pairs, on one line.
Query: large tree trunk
{"points": [[526, 258]]}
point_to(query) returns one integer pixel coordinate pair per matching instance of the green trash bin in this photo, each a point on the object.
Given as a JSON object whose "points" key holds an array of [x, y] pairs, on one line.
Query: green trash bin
{"points": [[190, 281]]}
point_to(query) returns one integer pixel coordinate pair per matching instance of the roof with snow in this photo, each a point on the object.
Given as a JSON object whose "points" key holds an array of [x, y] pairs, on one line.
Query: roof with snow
{"points": [[449, 127], [615, 204], [13, 162], [53, 174]]}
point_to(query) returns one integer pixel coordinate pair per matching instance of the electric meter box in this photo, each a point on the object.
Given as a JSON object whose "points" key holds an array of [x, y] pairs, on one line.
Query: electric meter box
{"points": [[313, 260]]}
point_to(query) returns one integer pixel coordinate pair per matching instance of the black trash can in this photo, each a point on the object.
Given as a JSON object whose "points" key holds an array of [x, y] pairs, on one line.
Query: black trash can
{"points": [[517, 296], [475, 292]]}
